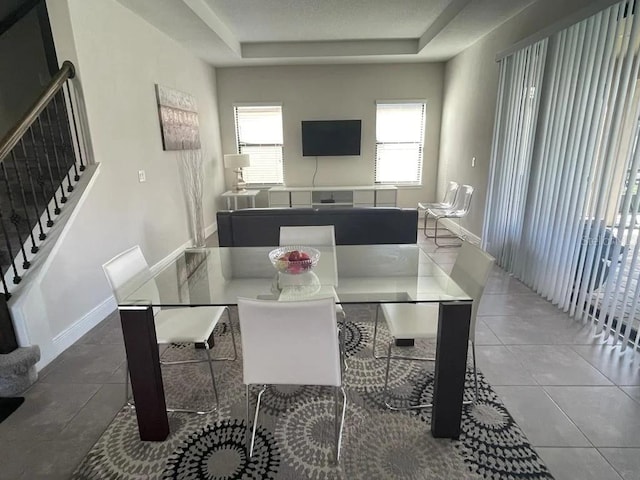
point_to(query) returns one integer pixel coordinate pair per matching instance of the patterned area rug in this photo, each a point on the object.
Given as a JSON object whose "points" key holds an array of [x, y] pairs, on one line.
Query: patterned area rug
{"points": [[295, 436]]}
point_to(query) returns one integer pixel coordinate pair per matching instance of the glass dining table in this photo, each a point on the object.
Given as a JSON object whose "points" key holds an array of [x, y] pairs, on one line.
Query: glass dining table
{"points": [[353, 274]]}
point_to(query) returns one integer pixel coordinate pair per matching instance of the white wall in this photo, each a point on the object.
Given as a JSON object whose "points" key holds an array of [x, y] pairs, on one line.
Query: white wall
{"points": [[119, 58], [24, 69], [470, 92], [330, 92]]}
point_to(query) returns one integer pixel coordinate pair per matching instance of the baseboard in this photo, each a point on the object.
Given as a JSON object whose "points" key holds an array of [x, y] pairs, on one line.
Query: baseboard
{"points": [[74, 332], [462, 232], [211, 229]]}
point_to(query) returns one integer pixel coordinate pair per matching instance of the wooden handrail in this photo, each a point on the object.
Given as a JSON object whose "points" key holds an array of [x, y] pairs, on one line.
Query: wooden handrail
{"points": [[14, 135]]}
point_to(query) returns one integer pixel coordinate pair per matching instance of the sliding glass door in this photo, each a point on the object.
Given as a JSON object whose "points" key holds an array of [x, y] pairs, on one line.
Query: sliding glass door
{"points": [[562, 213]]}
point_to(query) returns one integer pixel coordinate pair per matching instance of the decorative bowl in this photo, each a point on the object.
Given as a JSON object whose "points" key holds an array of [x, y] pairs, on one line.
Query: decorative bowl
{"points": [[294, 259]]}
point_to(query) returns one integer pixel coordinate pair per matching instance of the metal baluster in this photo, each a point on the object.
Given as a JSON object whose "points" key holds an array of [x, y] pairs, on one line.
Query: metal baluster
{"points": [[4, 284], [63, 197], [67, 149], [36, 208], [54, 183], [75, 128], [16, 277], [40, 179], [15, 217], [34, 247]]}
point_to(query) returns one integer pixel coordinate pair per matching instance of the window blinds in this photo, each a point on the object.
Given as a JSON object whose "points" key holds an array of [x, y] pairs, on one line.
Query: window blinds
{"points": [[399, 142], [562, 213], [259, 133]]}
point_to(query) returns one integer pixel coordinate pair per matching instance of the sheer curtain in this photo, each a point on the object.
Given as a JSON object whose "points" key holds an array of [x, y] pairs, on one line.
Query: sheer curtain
{"points": [[562, 213]]}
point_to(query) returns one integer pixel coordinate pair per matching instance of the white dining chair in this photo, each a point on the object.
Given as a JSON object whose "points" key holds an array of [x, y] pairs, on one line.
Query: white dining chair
{"points": [[459, 210], [448, 201], [318, 236], [420, 321], [290, 343], [128, 272]]}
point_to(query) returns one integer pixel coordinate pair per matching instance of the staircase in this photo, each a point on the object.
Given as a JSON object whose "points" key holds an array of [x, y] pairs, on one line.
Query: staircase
{"points": [[40, 161]]}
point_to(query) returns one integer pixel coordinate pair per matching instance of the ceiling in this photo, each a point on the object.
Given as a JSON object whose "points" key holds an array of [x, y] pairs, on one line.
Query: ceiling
{"points": [[282, 32]]}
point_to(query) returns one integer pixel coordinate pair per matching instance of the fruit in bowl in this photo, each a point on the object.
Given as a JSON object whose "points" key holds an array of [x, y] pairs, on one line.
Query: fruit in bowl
{"points": [[294, 259]]}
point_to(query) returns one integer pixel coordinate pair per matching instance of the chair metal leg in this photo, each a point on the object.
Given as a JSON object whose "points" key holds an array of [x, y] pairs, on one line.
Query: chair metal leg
{"points": [[213, 382], [336, 427], [424, 225], [343, 351], [435, 237], [255, 420], [475, 370], [213, 378], [386, 395], [339, 429], [233, 336], [375, 331], [247, 392]]}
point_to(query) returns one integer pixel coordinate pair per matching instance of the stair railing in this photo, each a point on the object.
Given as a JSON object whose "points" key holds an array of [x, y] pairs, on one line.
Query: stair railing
{"points": [[41, 159]]}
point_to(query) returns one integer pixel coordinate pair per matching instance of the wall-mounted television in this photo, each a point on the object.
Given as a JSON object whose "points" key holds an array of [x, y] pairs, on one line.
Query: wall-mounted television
{"points": [[324, 138]]}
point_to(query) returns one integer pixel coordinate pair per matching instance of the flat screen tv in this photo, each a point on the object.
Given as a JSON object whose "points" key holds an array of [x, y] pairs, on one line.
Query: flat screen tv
{"points": [[324, 138]]}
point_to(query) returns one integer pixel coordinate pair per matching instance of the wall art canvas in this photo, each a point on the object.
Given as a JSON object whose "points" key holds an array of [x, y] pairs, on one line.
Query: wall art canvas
{"points": [[178, 119]]}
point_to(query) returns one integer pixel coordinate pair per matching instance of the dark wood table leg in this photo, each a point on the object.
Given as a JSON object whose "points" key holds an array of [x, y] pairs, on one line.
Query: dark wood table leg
{"points": [[451, 366], [141, 345]]}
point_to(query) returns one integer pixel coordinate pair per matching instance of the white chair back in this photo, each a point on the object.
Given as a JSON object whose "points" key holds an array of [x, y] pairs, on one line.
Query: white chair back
{"points": [[315, 236], [127, 272], [451, 194], [312, 236], [463, 202], [289, 343], [471, 271]]}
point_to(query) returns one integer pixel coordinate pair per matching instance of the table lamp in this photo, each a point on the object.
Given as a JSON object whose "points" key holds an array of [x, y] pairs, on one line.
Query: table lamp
{"points": [[237, 161]]}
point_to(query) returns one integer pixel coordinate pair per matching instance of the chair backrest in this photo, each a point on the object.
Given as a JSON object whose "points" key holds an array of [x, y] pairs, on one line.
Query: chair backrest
{"points": [[312, 236], [451, 193], [290, 343], [463, 201], [128, 272], [471, 271], [315, 236]]}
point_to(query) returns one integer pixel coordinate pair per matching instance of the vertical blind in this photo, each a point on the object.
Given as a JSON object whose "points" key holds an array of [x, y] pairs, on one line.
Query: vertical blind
{"points": [[563, 213], [399, 142], [259, 133]]}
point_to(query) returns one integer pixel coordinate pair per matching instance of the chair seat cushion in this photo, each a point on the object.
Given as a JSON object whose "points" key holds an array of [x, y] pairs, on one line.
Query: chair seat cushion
{"points": [[409, 320], [186, 325]]}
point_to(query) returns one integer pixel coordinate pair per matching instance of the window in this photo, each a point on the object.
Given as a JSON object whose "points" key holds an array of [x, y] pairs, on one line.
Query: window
{"points": [[259, 133], [399, 142]]}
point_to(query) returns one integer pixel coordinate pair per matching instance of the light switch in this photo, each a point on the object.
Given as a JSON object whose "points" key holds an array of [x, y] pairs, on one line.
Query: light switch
{"points": [[142, 177]]}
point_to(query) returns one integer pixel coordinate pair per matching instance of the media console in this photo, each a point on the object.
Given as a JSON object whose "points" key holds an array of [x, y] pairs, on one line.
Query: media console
{"points": [[333, 197]]}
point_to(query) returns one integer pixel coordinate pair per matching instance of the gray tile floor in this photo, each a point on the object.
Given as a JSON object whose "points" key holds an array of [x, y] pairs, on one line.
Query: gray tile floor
{"points": [[574, 395]]}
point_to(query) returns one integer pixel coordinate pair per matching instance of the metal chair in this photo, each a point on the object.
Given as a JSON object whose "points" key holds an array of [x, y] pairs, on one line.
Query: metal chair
{"points": [[291, 343], [129, 272], [448, 201], [420, 321], [458, 211]]}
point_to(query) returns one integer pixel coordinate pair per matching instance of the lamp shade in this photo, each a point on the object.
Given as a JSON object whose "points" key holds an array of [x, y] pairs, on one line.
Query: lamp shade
{"points": [[237, 160]]}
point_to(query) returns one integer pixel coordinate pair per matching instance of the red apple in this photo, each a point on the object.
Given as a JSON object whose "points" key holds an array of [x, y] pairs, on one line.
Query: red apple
{"points": [[294, 256]]}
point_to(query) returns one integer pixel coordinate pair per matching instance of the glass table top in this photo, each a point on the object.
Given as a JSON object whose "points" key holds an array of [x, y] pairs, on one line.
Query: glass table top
{"points": [[349, 273]]}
